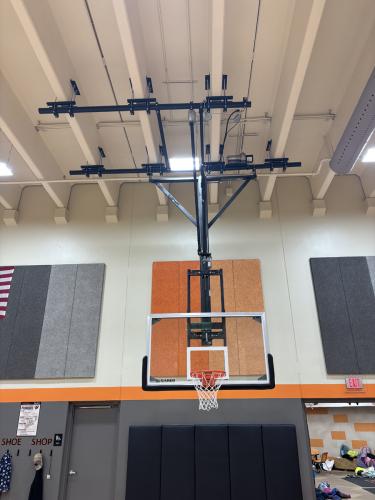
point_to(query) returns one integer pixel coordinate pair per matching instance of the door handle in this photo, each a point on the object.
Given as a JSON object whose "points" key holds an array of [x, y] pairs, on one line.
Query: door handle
{"points": [[72, 473]]}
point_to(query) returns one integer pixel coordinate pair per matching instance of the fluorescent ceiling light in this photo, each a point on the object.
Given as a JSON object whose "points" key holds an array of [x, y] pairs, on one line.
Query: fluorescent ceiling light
{"points": [[5, 171], [369, 156], [183, 163]]}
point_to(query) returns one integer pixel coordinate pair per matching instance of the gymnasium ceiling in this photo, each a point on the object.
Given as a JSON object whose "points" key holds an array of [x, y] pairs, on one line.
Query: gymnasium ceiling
{"points": [[303, 64]]}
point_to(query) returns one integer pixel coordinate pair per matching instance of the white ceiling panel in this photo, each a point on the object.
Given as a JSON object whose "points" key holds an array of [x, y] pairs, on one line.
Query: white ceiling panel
{"points": [[239, 32], [273, 32], [178, 140], [344, 29], [20, 66], [10, 156], [306, 143], [64, 148], [154, 47], [114, 140], [109, 38], [200, 34]]}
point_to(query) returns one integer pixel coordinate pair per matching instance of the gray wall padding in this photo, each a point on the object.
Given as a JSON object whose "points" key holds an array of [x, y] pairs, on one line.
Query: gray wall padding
{"points": [[371, 267], [212, 454], [8, 323], [24, 349], [177, 461], [335, 328], [234, 411], [360, 299], [84, 329], [51, 326], [56, 325]]}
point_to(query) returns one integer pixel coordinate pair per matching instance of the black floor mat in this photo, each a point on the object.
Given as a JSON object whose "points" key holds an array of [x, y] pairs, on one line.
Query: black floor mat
{"points": [[365, 483]]}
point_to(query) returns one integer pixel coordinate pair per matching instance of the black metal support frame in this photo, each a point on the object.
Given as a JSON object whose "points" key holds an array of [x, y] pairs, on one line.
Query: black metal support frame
{"points": [[160, 174]]}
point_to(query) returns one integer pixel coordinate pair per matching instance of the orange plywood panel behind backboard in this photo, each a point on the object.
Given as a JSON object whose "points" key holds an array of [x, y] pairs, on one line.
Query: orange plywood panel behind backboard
{"points": [[242, 292]]}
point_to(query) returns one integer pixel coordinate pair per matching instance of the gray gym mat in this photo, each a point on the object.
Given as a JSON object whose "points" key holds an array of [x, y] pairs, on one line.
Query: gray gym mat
{"points": [[24, 348], [84, 329], [365, 483], [56, 325]]}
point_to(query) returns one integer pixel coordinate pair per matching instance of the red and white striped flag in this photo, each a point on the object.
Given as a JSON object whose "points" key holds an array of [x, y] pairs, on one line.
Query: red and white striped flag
{"points": [[6, 275]]}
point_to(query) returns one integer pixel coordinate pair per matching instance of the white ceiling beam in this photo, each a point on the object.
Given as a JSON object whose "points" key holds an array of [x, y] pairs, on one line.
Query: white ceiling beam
{"points": [[20, 131], [217, 57], [304, 28], [321, 182], [127, 16], [10, 196], [43, 34]]}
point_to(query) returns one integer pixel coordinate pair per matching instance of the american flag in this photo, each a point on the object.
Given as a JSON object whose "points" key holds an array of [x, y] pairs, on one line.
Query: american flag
{"points": [[6, 275]]}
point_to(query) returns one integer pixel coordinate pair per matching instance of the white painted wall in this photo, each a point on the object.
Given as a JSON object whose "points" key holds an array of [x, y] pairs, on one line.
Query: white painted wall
{"points": [[284, 245]]}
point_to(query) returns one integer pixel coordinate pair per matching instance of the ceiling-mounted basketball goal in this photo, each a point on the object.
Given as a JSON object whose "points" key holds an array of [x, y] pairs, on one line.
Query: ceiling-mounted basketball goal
{"points": [[205, 350]]}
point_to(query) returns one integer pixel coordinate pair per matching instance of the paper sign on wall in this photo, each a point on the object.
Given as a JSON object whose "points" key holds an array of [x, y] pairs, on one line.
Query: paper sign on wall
{"points": [[28, 419]]}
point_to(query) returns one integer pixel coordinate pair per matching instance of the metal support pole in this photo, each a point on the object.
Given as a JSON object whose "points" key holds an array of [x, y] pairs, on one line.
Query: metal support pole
{"points": [[192, 140], [204, 256], [162, 138]]}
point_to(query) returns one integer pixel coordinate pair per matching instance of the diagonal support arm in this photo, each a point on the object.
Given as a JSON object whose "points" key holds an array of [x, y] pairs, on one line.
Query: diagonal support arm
{"points": [[176, 203], [231, 200]]}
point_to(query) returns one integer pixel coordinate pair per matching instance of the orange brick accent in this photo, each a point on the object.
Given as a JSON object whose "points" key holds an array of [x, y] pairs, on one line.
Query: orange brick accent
{"points": [[357, 444], [365, 427], [316, 443], [340, 419], [338, 435], [317, 411]]}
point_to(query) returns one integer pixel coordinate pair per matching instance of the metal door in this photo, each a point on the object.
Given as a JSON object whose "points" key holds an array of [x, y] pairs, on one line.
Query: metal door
{"points": [[91, 464]]}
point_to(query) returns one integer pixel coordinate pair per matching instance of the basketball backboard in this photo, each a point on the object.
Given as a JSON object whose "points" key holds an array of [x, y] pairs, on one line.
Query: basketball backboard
{"points": [[180, 344]]}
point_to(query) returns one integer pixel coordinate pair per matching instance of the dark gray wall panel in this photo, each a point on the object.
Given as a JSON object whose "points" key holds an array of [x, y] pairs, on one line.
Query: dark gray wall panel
{"points": [[245, 456], [281, 467], [212, 463], [143, 473], [371, 267], [84, 330], [24, 349], [361, 306], [338, 343], [56, 325], [8, 323], [177, 463]]}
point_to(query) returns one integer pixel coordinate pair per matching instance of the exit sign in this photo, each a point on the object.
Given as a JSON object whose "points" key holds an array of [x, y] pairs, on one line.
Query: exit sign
{"points": [[354, 383]]}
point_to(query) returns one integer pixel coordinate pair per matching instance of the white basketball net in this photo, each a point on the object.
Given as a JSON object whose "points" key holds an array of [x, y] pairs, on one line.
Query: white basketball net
{"points": [[207, 385]]}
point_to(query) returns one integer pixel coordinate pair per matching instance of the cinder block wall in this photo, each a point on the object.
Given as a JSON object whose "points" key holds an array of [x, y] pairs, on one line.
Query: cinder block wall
{"points": [[331, 427]]}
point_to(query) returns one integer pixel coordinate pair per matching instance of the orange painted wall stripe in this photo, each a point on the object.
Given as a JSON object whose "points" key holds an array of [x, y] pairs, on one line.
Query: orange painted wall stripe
{"points": [[293, 391], [364, 427], [338, 435]]}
